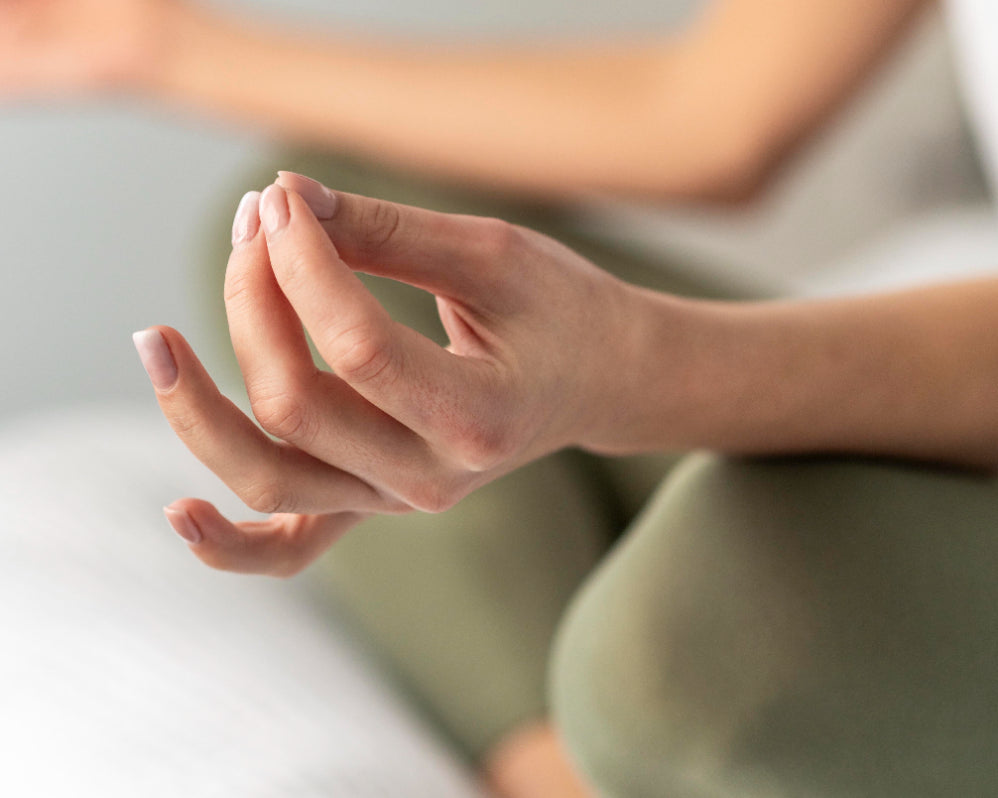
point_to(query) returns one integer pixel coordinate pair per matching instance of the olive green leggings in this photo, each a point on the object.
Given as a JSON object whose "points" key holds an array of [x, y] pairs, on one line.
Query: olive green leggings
{"points": [[760, 629]]}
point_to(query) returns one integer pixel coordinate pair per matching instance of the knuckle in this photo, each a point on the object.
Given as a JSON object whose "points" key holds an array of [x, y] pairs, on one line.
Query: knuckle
{"points": [[391, 503], [499, 238], [293, 269], [480, 441], [479, 448], [268, 496], [363, 352], [237, 290], [432, 496], [283, 415], [188, 424], [380, 222]]}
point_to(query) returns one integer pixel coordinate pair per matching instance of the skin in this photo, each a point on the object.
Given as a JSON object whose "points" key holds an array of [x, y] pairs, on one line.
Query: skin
{"points": [[703, 114], [533, 764], [667, 118], [408, 425]]}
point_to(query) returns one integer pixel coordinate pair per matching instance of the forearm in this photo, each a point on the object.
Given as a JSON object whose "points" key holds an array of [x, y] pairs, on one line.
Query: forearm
{"points": [[703, 114], [911, 375], [546, 119]]}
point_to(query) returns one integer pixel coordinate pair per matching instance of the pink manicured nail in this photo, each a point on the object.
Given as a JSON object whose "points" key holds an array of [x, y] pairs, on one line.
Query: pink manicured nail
{"points": [[274, 213], [183, 525], [320, 199], [156, 358], [247, 221]]}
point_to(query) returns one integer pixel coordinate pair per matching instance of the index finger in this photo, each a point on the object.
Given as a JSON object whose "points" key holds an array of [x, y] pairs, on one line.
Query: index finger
{"points": [[441, 396], [449, 255]]}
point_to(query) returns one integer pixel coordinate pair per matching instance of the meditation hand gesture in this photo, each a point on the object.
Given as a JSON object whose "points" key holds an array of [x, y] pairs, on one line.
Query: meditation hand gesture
{"points": [[535, 363]]}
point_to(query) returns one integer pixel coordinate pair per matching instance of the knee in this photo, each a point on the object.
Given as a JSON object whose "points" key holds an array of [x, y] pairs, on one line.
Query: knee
{"points": [[774, 629], [670, 654]]}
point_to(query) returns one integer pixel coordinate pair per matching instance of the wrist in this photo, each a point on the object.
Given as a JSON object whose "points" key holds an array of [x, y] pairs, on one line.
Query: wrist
{"points": [[646, 382], [690, 374]]}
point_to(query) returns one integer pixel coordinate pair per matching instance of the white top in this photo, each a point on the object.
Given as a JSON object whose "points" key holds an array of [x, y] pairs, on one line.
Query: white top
{"points": [[898, 160], [975, 29], [130, 669]]}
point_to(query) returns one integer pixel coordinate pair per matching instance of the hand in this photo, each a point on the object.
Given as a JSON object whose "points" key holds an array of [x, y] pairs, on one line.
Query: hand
{"points": [[73, 46], [533, 365]]}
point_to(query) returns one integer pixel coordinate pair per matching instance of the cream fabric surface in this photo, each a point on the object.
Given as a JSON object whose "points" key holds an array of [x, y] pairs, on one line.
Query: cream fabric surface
{"points": [[128, 668]]}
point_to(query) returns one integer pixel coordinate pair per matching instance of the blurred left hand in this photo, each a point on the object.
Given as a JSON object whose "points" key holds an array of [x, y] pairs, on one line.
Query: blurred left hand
{"points": [[71, 47]]}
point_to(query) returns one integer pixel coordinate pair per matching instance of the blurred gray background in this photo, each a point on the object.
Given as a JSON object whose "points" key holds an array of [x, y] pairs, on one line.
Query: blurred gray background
{"points": [[103, 205]]}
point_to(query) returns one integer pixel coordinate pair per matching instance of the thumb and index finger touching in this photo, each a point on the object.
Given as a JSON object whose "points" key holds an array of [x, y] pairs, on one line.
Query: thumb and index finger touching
{"points": [[316, 238], [417, 381], [448, 255]]}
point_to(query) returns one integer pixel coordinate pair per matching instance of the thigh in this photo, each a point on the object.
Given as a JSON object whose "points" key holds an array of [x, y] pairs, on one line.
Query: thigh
{"points": [[793, 627], [461, 607]]}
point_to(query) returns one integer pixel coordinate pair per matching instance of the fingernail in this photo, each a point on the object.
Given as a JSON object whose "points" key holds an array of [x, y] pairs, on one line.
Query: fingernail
{"points": [[247, 220], [274, 213], [156, 358], [320, 199], [183, 525]]}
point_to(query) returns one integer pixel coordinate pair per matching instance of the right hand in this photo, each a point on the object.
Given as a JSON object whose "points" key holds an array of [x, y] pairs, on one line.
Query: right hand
{"points": [[540, 358], [72, 47]]}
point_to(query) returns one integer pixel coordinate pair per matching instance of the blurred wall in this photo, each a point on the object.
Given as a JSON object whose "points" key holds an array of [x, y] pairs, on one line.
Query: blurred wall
{"points": [[96, 228]]}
